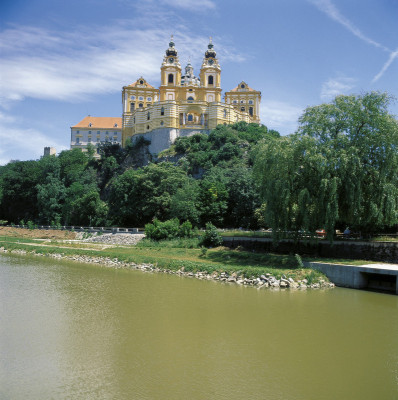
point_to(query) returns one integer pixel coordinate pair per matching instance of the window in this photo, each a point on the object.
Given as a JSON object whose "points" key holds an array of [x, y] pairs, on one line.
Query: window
{"points": [[98, 132], [77, 131], [148, 117], [132, 97], [115, 125], [242, 102], [90, 124], [242, 86], [251, 111], [190, 118], [149, 99], [141, 82], [147, 126], [161, 123], [171, 78], [235, 101], [190, 98], [134, 120], [89, 139], [89, 132], [140, 105], [141, 98], [211, 80], [250, 101], [77, 140], [242, 108], [162, 111]]}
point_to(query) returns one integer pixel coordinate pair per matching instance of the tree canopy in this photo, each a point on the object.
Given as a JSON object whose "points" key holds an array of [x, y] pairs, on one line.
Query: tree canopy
{"points": [[340, 168]]}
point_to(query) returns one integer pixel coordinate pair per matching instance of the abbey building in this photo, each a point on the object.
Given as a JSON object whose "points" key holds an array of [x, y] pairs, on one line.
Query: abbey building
{"points": [[183, 105]]}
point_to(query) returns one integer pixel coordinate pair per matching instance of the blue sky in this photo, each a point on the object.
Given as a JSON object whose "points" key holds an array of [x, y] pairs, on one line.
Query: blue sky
{"points": [[63, 60]]}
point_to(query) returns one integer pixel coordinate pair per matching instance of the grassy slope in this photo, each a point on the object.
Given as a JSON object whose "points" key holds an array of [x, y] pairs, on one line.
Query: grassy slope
{"points": [[174, 255]]}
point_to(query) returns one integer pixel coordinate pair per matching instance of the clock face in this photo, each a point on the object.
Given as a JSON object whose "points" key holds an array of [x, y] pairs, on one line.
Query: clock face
{"points": [[211, 62], [171, 60]]}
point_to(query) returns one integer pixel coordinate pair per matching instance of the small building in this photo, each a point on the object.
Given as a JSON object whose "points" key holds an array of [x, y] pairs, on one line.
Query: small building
{"points": [[96, 130], [49, 151]]}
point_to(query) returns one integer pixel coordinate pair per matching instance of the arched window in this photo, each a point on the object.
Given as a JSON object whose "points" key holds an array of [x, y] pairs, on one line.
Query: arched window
{"points": [[162, 111], [190, 117], [132, 106], [242, 108], [171, 78], [210, 80], [148, 117], [190, 98], [140, 105]]}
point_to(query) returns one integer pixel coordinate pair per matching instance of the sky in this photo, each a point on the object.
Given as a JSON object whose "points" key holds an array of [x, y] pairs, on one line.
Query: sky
{"points": [[63, 60]]}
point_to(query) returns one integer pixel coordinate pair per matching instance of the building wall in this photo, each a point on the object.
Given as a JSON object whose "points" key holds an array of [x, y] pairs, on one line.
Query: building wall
{"points": [[82, 137]]}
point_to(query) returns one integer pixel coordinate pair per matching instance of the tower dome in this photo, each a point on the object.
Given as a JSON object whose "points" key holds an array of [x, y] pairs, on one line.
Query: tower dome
{"points": [[210, 52], [171, 51]]}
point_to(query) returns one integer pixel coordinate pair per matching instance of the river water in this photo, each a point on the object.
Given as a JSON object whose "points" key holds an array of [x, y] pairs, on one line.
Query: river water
{"points": [[78, 331]]}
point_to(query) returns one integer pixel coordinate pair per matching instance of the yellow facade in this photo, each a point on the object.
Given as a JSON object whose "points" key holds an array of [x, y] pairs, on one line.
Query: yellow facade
{"points": [[185, 103]]}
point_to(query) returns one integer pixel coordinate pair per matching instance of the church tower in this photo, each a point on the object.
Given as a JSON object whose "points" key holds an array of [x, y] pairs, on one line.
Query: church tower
{"points": [[210, 75], [170, 74]]}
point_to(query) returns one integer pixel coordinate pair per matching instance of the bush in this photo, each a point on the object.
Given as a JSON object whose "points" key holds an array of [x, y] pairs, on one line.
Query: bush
{"points": [[168, 229], [211, 237]]}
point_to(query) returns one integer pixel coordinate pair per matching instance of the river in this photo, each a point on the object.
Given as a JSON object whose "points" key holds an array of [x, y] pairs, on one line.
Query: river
{"points": [[80, 331]]}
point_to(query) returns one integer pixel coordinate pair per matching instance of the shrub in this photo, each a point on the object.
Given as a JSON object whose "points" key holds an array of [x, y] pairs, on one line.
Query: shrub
{"points": [[168, 229], [211, 237]]}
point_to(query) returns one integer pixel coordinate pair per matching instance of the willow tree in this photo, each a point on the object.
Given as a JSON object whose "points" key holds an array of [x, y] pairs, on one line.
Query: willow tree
{"points": [[340, 168]]}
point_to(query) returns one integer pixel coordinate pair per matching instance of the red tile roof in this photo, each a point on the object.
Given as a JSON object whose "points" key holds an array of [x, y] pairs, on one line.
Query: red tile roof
{"points": [[100, 123]]}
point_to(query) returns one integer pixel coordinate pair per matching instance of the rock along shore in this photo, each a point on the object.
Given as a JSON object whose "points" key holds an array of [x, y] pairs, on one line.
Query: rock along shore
{"points": [[264, 281]]}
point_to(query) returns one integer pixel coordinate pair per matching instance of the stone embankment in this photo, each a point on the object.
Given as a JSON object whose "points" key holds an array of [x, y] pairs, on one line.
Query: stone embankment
{"points": [[116, 238], [264, 281]]}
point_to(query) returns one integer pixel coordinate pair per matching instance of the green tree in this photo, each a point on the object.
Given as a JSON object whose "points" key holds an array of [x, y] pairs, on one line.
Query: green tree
{"points": [[341, 168], [138, 196], [18, 182], [185, 203]]}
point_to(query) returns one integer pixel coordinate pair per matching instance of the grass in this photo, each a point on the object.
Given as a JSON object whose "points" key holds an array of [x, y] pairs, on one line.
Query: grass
{"points": [[174, 255]]}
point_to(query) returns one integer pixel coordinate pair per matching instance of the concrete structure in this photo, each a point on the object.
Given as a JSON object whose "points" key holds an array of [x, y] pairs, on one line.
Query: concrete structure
{"points": [[49, 151], [184, 104], [382, 277], [96, 130]]}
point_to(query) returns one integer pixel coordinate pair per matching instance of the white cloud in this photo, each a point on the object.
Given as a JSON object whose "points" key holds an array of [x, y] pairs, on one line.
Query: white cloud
{"points": [[26, 142], [331, 10], [280, 116], [336, 86], [393, 56], [195, 5], [89, 61]]}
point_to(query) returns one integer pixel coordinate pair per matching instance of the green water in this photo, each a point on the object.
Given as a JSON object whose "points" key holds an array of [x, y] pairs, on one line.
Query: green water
{"points": [[72, 331]]}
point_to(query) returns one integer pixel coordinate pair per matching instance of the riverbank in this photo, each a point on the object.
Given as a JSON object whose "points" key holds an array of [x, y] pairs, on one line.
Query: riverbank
{"points": [[181, 257], [261, 282]]}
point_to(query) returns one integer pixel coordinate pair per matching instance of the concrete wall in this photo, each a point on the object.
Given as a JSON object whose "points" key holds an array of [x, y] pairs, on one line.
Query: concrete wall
{"points": [[372, 251], [360, 276]]}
